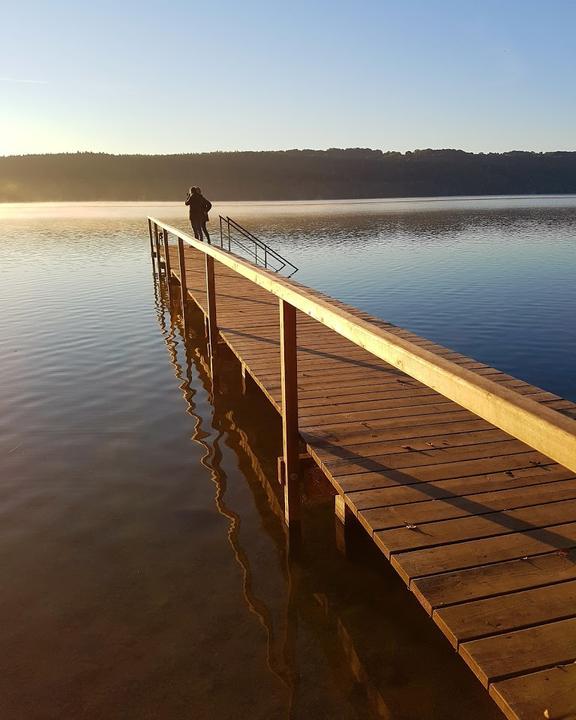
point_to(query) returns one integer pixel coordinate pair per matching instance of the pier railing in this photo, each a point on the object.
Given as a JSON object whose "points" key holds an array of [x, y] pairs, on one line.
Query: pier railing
{"points": [[539, 427], [234, 238]]}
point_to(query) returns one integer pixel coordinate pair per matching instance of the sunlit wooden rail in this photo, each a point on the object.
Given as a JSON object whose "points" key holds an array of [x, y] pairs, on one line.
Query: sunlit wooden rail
{"points": [[464, 477]]}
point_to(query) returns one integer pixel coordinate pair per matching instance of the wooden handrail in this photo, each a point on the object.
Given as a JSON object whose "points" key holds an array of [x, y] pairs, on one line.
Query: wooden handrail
{"points": [[540, 427]]}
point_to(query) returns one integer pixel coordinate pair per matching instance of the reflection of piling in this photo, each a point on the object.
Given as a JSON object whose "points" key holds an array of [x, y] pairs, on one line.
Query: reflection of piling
{"points": [[375, 700]]}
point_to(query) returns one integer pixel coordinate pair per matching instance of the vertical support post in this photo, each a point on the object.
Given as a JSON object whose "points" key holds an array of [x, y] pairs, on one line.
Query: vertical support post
{"points": [[211, 318], [341, 510], [167, 264], [290, 438], [151, 242], [157, 243], [183, 284], [342, 525]]}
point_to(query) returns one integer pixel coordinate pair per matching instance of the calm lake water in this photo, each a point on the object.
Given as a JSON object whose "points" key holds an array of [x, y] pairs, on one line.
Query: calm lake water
{"points": [[142, 554]]}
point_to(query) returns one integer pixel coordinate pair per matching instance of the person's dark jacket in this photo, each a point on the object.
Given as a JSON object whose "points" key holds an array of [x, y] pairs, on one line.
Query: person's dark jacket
{"points": [[199, 207]]}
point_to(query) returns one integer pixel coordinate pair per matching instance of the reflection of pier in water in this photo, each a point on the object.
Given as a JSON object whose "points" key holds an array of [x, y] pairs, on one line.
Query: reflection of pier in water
{"points": [[223, 423], [320, 590]]}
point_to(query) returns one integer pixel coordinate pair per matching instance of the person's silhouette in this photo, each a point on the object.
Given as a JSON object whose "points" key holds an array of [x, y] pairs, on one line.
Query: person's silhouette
{"points": [[198, 207]]}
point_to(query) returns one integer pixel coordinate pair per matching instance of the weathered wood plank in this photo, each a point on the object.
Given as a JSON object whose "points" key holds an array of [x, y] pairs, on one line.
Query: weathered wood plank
{"points": [[474, 526], [492, 616], [521, 651], [474, 553], [499, 578], [545, 695], [398, 493], [368, 475], [391, 516]]}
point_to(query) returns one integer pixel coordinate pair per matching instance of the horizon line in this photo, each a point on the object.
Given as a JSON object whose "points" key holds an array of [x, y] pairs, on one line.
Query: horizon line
{"points": [[287, 150]]}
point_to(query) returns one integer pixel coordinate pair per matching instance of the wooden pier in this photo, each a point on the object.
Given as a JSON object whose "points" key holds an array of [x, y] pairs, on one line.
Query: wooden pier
{"points": [[464, 477]]}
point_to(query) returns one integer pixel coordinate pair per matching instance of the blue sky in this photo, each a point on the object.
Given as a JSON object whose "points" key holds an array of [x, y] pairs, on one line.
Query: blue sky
{"points": [[154, 77]]}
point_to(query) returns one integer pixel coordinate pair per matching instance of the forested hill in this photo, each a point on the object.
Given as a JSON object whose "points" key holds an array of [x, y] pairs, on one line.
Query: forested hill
{"points": [[287, 175]]}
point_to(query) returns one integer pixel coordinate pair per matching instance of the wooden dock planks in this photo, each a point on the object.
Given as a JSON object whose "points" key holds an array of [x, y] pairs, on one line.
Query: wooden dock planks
{"points": [[545, 694], [481, 527]]}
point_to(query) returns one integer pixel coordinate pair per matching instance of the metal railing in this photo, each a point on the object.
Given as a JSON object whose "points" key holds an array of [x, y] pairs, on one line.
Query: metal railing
{"points": [[234, 238]]}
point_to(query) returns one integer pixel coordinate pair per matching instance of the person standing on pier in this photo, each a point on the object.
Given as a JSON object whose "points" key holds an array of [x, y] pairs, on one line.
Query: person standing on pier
{"points": [[199, 208]]}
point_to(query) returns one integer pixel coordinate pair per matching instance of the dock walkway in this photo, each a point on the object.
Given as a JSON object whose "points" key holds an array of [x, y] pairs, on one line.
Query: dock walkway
{"points": [[480, 526]]}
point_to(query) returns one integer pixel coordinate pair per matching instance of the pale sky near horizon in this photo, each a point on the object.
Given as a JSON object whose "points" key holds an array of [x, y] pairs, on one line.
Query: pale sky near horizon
{"points": [[150, 77]]}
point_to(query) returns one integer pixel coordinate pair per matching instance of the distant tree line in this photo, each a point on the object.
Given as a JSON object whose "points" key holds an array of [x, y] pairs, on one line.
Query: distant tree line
{"points": [[284, 175]]}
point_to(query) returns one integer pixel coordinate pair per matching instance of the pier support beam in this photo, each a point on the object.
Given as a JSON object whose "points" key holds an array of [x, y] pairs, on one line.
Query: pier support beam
{"points": [[151, 235], [167, 265], [211, 316], [244, 379], [183, 285], [157, 244], [342, 525], [341, 510], [290, 439]]}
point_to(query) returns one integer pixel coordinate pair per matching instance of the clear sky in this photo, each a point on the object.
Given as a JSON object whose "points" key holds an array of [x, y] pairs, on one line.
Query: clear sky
{"points": [[186, 76]]}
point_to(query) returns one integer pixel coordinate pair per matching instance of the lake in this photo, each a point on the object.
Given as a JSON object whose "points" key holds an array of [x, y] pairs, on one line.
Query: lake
{"points": [[142, 559]]}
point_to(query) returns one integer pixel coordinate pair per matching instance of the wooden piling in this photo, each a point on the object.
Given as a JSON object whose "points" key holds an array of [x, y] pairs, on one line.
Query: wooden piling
{"points": [[167, 265], [290, 438], [158, 255], [151, 241], [183, 284], [341, 510], [211, 315]]}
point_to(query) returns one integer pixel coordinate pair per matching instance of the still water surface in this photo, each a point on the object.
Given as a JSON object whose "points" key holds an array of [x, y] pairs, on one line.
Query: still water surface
{"points": [[142, 559]]}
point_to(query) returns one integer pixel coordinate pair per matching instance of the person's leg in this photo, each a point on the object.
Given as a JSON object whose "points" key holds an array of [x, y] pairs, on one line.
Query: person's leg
{"points": [[205, 229], [194, 229], [197, 231]]}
